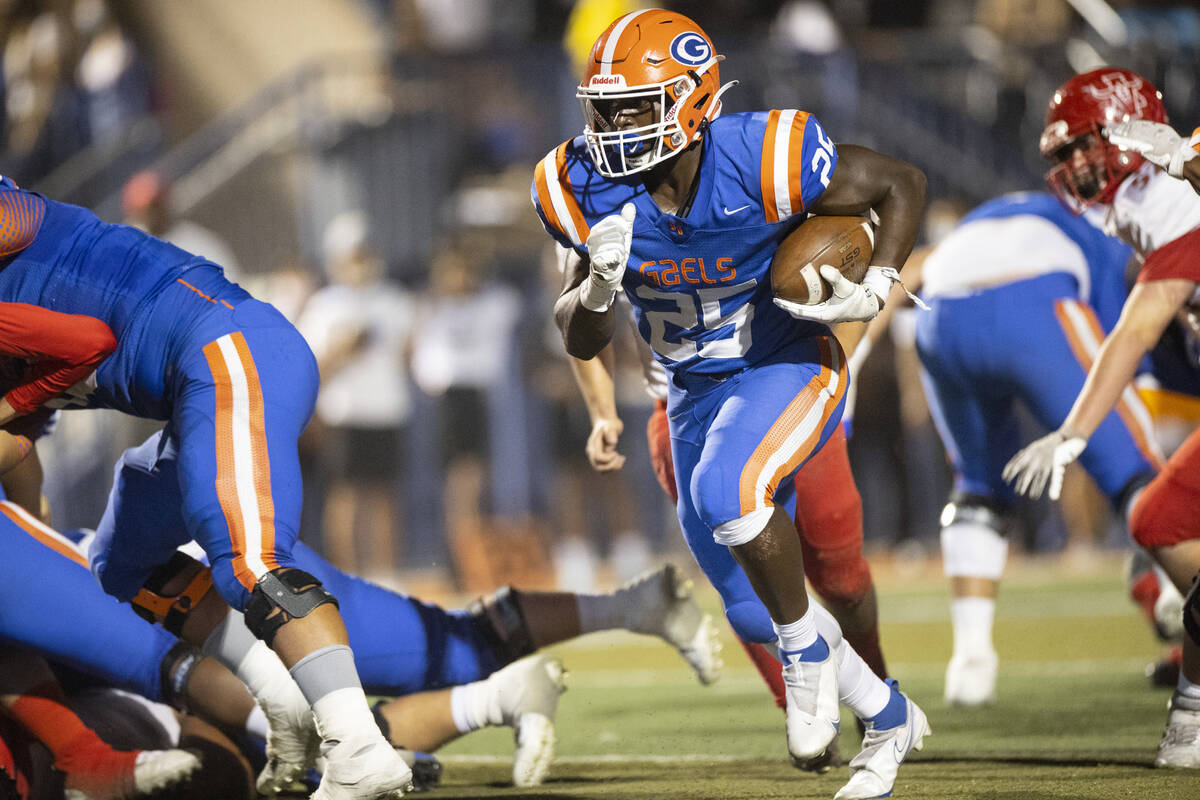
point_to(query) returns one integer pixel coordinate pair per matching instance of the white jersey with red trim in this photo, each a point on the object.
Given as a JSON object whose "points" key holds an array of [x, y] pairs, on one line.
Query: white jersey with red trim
{"points": [[1149, 210], [700, 283]]}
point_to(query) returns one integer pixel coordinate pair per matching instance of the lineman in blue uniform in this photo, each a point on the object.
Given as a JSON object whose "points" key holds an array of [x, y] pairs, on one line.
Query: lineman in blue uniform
{"points": [[236, 384], [1022, 293], [683, 211]]}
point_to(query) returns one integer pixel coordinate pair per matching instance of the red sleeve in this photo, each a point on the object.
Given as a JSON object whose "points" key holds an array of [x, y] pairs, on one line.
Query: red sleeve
{"points": [[64, 348], [1178, 258]]}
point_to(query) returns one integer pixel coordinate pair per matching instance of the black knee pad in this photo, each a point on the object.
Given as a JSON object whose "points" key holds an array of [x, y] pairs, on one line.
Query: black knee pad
{"points": [[974, 505], [172, 610], [1191, 611], [174, 671], [501, 622], [280, 596]]}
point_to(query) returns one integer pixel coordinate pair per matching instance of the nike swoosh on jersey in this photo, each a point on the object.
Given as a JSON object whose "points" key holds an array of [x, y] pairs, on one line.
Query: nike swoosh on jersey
{"points": [[729, 213]]}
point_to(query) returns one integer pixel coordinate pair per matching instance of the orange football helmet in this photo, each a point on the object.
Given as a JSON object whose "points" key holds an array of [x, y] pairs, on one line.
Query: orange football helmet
{"points": [[648, 61]]}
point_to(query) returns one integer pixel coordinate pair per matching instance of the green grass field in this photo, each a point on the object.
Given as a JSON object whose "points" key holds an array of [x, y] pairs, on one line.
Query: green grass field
{"points": [[1075, 718]]}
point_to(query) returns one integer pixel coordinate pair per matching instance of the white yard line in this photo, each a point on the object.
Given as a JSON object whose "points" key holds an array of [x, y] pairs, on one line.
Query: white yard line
{"points": [[739, 679], [611, 758]]}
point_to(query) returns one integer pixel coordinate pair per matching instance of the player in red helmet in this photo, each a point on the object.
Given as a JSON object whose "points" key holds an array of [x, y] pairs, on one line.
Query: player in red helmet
{"points": [[1087, 169], [1159, 216]]}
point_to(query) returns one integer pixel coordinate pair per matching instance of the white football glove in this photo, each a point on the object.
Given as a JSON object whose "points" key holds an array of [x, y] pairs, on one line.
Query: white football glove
{"points": [[1042, 462], [1157, 142], [608, 244], [850, 301]]}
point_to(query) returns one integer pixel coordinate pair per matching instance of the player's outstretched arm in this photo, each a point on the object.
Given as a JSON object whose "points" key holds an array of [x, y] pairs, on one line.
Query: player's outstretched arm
{"points": [[895, 190], [1149, 309]]}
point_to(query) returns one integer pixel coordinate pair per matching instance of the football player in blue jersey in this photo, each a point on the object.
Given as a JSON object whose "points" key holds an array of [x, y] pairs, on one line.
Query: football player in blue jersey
{"points": [[1021, 294], [683, 210], [174, 340], [456, 671]]}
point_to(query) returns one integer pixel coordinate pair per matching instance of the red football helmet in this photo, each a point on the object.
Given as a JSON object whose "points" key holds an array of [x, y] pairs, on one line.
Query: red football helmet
{"points": [[651, 64], [1086, 168]]}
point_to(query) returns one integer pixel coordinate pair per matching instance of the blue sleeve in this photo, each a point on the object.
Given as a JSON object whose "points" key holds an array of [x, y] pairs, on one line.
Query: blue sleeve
{"points": [[818, 159]]}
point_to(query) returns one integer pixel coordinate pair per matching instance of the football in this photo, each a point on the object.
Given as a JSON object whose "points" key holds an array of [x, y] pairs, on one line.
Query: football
{"points": [[843, 242]]}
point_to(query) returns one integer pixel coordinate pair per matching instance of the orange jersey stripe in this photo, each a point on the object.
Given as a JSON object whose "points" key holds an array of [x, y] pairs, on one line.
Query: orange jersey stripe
{"points": [[47, 536], [1080, 324], [806, 415], [767, 168], [795, 165], [260, 458], [227, 494], [557, 198]]}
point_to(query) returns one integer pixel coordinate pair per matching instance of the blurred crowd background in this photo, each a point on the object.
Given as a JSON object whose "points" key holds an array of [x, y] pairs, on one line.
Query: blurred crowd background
{"points": [[365, 165]]}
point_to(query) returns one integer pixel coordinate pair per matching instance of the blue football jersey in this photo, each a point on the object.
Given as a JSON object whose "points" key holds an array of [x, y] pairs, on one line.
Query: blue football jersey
{"points": [[1106, 256], [63, 258], [700, 283]]}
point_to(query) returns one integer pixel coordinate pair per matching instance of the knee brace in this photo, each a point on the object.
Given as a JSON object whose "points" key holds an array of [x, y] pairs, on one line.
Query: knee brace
{"points": [[174, 671], [501, 623], [280, 596], [743, 529], [973, 543], [153, 605]]}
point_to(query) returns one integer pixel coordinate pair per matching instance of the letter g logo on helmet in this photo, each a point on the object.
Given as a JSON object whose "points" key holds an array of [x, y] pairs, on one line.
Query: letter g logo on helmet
{"points": [[690, 48]]}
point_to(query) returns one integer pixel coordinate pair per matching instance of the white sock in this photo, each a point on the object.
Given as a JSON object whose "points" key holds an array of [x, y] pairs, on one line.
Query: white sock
{"points": [[972, 618], [859, 688], [269, 681], [474, 706], [1187, 688], [256, 723], [799, 634], [344, 714]]}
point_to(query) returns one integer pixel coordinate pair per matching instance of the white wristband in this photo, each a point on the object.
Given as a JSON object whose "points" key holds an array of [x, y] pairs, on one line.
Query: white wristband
{"points": [[595, 297], [879, 280]]}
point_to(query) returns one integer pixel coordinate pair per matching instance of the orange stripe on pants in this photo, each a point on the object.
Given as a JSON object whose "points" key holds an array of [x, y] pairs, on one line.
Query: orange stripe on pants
{"points": [[799, 411], [226, 481]]}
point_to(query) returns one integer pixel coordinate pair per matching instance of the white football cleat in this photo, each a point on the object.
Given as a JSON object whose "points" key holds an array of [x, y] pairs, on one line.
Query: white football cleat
{"points": [[1180, 745], [293, 743], [971, 679], [660, 603], [526, 693], [812, 710], [363, 769], [152, 770], [873, 770]]}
